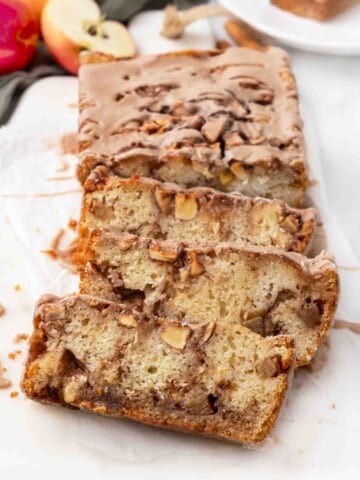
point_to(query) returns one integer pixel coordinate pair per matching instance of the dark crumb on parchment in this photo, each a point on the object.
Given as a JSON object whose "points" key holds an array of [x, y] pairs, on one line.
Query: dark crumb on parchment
{"points": [[72, 224], [21, 337], [13, 355], [4, 382]]}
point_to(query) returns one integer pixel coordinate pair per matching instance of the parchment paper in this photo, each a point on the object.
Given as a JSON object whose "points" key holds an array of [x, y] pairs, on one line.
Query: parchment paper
{"points": [[319, 430]]}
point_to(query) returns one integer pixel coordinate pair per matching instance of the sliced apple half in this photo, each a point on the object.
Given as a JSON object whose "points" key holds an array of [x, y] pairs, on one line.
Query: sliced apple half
{"points": [[69, 27]]}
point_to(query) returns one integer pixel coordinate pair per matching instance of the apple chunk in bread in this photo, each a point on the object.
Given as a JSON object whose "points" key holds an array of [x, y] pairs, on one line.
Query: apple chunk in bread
{"points": [[69, 27]]}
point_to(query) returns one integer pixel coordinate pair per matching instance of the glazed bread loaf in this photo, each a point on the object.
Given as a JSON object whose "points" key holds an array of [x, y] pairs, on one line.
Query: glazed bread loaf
{"points": [[150, 208], [210, 378], [227, 120], [266, 289], [316, 9]]}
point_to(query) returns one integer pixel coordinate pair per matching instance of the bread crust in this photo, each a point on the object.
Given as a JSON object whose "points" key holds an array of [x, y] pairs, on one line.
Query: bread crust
{"points": [[257, 149], [52, 376], [144, 206], [296, 295]]}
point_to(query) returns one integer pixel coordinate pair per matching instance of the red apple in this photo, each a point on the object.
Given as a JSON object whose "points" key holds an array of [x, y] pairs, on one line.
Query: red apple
{"points": [[36, 6], [69, 26], [19, 34]]}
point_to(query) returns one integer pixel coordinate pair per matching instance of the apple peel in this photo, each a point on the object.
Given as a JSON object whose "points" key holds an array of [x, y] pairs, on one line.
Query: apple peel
{"points": [[19, 35]]}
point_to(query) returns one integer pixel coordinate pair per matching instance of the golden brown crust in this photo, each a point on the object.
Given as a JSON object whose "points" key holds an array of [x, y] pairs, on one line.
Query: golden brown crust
{"points": [[267, 289], [68, 376], [166, 211], [273, 172]]}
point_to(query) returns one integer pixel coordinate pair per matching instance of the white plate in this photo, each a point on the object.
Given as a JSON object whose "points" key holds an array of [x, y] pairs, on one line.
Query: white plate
{"points": [[340, 35]]}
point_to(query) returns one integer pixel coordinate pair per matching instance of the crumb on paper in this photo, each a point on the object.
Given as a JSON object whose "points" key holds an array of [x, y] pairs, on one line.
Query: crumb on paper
{"points": [[72, 224], [66, 143], [13, 355], [333, 406], [4, 382], [21, 337], [72, 105], [14, 394], [69, 144], [17, 287], [37, 230], [2, 309]]}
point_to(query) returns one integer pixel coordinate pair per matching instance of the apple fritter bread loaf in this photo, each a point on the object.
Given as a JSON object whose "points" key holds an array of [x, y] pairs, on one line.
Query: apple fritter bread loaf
{"points": [[266, 289], [216, 379], [316, 9], [227, 120], [150, 208]]}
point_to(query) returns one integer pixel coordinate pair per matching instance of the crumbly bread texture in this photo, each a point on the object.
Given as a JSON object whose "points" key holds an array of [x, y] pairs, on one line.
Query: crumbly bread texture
{"points": [[227, 120], [214, 379], [161, 211], [266, 289], [316, 9]]}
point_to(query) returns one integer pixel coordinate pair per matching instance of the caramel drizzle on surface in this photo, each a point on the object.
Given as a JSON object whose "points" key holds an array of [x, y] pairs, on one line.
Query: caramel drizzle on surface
{"points": [[67, 257]]}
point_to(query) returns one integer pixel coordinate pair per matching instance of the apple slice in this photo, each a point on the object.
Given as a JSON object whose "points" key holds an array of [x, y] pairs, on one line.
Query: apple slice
{"points": [[69, 27]]}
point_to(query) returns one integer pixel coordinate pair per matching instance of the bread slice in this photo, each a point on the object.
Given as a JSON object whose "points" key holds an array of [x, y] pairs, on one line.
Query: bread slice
{"points": [[161, 211], [316, 9], [227, 120], [214, 379], [266, 289]]}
